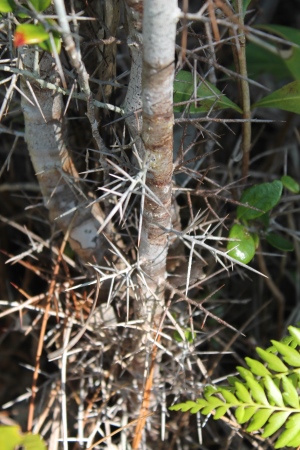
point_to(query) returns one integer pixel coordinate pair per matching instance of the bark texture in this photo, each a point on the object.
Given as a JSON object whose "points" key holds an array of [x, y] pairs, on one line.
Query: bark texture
{"points": [[159, 33], [56, 173]]}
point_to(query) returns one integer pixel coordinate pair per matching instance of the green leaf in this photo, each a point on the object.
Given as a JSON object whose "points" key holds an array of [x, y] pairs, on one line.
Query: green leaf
{"points": [[33, 442], [290, 394], [274, 363], [244, 372], [295, 333], [274, 393], [257, 392], [6, 6], [275, 422], [291, 431], [279, 242], [10, 437], [187, 334], [242, 393], [291, 184], [290, 355], [257, 367], [243, 247], [229, 396], [262, 196], [184, 406], [290, 55], [260, 60], [286, 98], [40, 5], [29, 34], [243, 414], [259, 419], [208, 96], [220, 412]]}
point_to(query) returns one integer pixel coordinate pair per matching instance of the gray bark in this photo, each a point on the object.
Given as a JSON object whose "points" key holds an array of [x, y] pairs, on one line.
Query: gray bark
{"points": [[56, 173]]}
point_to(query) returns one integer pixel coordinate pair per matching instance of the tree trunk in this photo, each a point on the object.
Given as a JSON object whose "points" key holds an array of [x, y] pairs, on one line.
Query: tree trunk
{"points": [[58, 178], [159, 33]]}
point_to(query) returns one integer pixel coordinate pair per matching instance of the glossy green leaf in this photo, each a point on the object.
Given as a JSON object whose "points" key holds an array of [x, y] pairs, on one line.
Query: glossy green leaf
{"points": [[259, 419], [243, 414], [290, 184], [257, 392], [274, 363], [290, 394], [262, 196], [279, 242], [244, 372], [29, 34], [243, 247], [257, 367], [290, 55], [46, 45], [208, 96], [274, 394], [291, 431], [286, 98], [6, 6], [290, 355], [275, 422], [40, 5], [242, 393], [220, 412], [229, 396], [295, 332]]}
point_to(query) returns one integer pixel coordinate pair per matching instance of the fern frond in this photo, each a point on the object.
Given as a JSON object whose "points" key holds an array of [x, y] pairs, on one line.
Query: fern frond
{"points": [[266, 397]]}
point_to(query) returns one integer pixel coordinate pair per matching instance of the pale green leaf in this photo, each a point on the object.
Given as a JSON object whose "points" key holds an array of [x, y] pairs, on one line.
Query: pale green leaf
{"points": [[259, 419], [288, 434], [228, 396], [220, 412], [257, 392], [295, 442], [290, 394], [290, 355], [275, 422], [208, 96], [262, 196], [257, 367], [33, 442], [274, 363], [207, 410], [244, 372], [295, 332], [183, 406], [10, 437], [243, 415], [274, 393], [242, 393]]}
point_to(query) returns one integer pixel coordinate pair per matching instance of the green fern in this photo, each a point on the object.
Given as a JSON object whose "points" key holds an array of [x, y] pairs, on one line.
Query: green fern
{"points": [[265, 396]]}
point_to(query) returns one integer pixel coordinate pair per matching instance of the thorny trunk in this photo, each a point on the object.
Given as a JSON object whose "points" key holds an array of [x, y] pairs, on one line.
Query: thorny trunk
{"points": [[57, 175], [159, 32]]}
